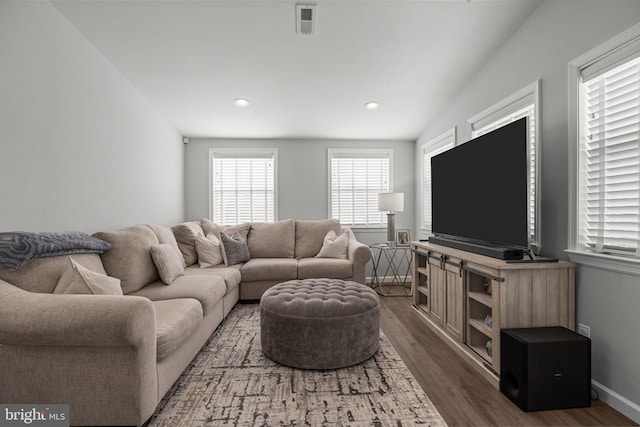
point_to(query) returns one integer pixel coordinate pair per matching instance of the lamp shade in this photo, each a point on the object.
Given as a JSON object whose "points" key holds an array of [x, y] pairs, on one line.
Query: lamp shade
{"points": [[391, 202]]}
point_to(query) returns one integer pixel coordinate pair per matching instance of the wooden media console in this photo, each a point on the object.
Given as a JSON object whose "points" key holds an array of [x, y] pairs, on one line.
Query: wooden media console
{"points": [[467, 298]]}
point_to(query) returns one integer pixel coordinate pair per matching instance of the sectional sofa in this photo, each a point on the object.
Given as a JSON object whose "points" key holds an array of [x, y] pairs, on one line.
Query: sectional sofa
{"points": [[113, 356]]}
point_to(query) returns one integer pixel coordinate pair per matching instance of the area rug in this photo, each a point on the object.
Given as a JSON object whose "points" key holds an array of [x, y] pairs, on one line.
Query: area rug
{"points": [[231, 383]]}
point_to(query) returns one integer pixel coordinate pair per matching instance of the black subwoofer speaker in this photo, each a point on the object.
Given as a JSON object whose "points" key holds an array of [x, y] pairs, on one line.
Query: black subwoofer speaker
{"points": [[545, 368]]}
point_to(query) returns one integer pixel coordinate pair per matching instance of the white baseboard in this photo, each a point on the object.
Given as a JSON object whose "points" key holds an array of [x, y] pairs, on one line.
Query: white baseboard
{"points": [[617, 401]]}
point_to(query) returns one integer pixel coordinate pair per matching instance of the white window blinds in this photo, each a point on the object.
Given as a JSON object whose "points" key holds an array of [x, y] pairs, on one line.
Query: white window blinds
{"points": [[356, 178], [430, 149], [244, 186], [609, 161]]}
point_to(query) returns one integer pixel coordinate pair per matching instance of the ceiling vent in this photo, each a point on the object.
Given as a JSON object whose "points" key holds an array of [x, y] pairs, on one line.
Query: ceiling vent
{"points": [[306, 19]]}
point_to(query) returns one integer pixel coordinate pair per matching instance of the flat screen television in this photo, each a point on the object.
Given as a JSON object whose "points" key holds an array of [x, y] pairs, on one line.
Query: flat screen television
{"points": [[480, 190]]}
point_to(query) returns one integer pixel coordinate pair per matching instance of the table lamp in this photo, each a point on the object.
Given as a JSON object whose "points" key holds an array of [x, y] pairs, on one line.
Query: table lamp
{"points": [[391, 203]]}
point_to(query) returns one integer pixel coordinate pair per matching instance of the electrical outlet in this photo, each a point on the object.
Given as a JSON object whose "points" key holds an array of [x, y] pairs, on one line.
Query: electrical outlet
{"points": [[584, 330]]}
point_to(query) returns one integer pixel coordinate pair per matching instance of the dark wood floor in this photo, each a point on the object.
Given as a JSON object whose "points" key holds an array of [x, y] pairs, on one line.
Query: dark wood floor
{"points": [[462, 396]]}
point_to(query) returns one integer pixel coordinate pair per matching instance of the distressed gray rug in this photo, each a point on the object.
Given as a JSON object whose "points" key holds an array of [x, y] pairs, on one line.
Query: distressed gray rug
{"points": [[231, 383]]}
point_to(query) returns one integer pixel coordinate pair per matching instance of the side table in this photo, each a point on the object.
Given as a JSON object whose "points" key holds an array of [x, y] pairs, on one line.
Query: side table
{"points": [[395, 256]]}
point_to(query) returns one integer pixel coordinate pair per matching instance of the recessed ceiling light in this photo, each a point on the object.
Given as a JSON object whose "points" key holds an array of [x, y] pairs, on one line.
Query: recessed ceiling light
{"points": [[241, 102], [373, 105]]}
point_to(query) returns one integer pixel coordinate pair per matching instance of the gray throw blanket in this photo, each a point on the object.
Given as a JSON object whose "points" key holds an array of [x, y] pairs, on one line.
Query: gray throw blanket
{"points": [[19, 247]]}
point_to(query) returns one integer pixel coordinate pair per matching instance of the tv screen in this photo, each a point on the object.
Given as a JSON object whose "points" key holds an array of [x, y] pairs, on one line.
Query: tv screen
{"points": [[480, 189]]}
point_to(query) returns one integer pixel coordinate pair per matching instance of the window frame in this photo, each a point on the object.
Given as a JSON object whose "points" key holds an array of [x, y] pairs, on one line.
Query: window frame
{"points": [[433, 145], [355, 151], [500, 110], [244, 152], [607, 51]]}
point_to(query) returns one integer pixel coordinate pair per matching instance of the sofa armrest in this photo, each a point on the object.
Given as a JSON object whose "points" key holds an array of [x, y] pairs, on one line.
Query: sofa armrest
{"points": [[359, 253], [93, 352], [28, 318]]}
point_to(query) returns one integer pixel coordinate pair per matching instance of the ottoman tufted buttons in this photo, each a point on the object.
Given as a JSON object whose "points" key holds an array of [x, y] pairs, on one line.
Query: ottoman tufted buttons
{"points": [[319, 323]]}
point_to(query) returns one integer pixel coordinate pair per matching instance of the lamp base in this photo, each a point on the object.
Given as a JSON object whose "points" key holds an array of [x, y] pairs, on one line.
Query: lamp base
{"points": [[391, 227]]}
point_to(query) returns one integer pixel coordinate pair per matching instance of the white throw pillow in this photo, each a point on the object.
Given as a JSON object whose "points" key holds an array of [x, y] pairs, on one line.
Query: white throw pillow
{"points": [[209, 251], [169, 262], [335, 246], [77, 279]]}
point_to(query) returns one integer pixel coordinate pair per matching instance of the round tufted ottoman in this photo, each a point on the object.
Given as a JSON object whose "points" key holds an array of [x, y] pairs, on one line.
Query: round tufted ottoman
{"points": [[319, 323]]}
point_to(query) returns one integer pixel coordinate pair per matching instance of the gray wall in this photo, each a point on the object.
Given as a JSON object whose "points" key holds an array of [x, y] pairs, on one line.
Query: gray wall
{"points": [[80, 148], [302, 177], [556, 33]]}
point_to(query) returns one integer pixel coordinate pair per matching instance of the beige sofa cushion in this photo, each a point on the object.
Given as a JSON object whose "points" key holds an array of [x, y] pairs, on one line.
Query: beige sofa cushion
{"points": [[165, 236], [211, 227], [209, 290], [169, 262], [176, 321], [230, 275], [324, 267], [77, 279], [310, 235], [42, 274], [130, 256], [186, 234], [269, 269], [272, 239]]}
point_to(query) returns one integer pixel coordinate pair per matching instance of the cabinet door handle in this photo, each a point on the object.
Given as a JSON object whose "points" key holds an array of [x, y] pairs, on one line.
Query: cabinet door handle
{"points": [[484, 274]]}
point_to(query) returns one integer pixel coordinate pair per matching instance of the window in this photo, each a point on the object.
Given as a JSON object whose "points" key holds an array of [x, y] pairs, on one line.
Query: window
{"points": [[429, 149], [604, 116], [524, 103], [355, 179], [609, 154], [243, 186]]}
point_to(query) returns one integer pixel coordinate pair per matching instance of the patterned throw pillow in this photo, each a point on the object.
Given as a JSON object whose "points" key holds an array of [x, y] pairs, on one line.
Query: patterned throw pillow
{"points": [[235, 248]]}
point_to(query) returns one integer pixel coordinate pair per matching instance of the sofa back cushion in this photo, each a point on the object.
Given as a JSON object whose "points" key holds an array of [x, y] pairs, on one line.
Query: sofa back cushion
{"points": [[42, 274], [130, 256], [272, 239], [186, 235], [209, 226], [310, 236], [166, 237]]}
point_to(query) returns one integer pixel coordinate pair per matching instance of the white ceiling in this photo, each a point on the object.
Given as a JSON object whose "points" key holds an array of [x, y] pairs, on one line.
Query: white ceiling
{"points": [[191, 59]]}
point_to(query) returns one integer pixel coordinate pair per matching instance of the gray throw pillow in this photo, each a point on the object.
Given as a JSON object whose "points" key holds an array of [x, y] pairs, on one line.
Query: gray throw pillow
{"points": [[236, 248]]}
